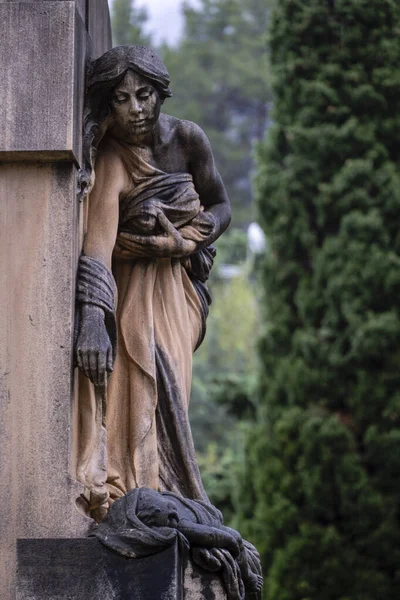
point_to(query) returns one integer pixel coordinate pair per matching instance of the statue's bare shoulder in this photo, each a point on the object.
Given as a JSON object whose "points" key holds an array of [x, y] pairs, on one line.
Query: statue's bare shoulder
{"points": [[111, 174], [191, 145], [106, 155], [189, 136]]}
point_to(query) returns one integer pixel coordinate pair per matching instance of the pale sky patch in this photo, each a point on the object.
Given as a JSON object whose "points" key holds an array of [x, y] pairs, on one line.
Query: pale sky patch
{"points": [[165, 19]]}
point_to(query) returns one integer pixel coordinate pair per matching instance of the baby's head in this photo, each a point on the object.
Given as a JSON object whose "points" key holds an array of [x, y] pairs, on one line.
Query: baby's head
{"points": [[144, 221]]}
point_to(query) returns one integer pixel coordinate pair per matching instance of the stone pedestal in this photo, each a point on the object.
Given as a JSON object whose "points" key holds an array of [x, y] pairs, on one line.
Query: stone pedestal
{"points": [[44, 46], [75, 569]]}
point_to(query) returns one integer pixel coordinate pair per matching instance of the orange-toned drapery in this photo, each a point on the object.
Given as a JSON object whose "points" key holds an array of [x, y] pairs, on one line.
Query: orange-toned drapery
{"points": [[160, 319]]}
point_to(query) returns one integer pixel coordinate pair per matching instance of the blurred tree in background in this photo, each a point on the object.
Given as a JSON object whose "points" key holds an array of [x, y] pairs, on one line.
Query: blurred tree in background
{"points": [[223, 386], [323, 462], [128, 22]]}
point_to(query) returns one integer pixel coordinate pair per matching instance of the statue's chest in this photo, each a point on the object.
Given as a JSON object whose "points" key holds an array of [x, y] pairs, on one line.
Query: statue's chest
{"points": [[146, 154], [170, 158]]}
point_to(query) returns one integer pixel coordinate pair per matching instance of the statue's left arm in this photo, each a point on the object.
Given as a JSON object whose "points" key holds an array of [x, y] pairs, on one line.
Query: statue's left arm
{"points": [[207, 181]]}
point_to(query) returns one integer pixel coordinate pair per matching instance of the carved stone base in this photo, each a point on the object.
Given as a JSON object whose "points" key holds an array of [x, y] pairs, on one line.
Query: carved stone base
{"points": [[199, 584], [69, 569]]}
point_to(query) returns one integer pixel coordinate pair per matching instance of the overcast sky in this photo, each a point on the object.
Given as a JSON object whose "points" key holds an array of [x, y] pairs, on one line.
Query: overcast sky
{"points": [[165, 19]]}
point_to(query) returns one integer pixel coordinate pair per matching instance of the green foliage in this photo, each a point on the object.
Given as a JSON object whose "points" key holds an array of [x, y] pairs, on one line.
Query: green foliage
{"points": [[128, 22], [321, 497], [220, 422], [231, 249], [231, 327], [220, 81], [223, 387]]}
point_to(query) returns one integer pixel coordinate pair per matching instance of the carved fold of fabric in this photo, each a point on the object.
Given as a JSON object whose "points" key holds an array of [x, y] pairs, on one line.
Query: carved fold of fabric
{"points": [[145, 522], [199, 267], [123, 532], [160, 321], [201, 263], [95, 285], [154, 192], [172, 194]]}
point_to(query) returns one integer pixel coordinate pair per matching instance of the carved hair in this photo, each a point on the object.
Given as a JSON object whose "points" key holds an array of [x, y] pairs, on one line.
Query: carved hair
{"points": [[104, 75]]}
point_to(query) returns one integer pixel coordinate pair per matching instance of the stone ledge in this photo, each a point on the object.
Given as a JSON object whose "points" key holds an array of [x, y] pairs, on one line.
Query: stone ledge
{"points": [[69, 569], [37, 156]]}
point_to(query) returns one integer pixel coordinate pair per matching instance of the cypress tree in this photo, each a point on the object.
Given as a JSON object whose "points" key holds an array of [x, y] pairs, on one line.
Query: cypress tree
{"points": [[321, 498]]}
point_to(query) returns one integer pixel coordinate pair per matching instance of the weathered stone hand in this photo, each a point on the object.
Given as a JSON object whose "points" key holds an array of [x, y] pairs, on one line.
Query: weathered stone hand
{"points": [[94, 351], [205, 223], [169, 245]]}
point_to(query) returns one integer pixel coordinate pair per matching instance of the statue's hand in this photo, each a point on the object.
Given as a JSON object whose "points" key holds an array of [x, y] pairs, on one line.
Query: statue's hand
{"points": [[93, 347], [204, 222], [171, 244]]}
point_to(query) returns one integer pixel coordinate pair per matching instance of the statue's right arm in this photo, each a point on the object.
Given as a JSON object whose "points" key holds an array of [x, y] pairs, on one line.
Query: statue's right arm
{"points": [[102, 223], [93, 347]]}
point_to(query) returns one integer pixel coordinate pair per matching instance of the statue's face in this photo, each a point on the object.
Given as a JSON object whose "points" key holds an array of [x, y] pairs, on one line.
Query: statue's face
{"points": [[136, 107]]}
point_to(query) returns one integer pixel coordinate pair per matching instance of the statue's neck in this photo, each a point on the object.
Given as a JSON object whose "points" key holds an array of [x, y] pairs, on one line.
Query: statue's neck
{"points": [[145, 141]]}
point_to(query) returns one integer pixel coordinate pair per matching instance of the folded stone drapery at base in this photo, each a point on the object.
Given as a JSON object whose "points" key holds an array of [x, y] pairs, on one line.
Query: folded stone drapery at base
{"points": [[145, 522], [151, 546]]}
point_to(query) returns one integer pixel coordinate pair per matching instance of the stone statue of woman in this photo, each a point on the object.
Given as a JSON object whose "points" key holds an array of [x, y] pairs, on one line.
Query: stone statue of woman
{"points": [[157, 203]]}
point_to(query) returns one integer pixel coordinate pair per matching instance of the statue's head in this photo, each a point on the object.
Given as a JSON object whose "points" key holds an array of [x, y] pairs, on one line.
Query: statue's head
{"points": [[125, 90], [124, 64]]}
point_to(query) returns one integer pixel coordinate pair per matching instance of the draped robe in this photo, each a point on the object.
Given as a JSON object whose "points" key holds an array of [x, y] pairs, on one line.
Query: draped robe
{"points": [[161, 311]]}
